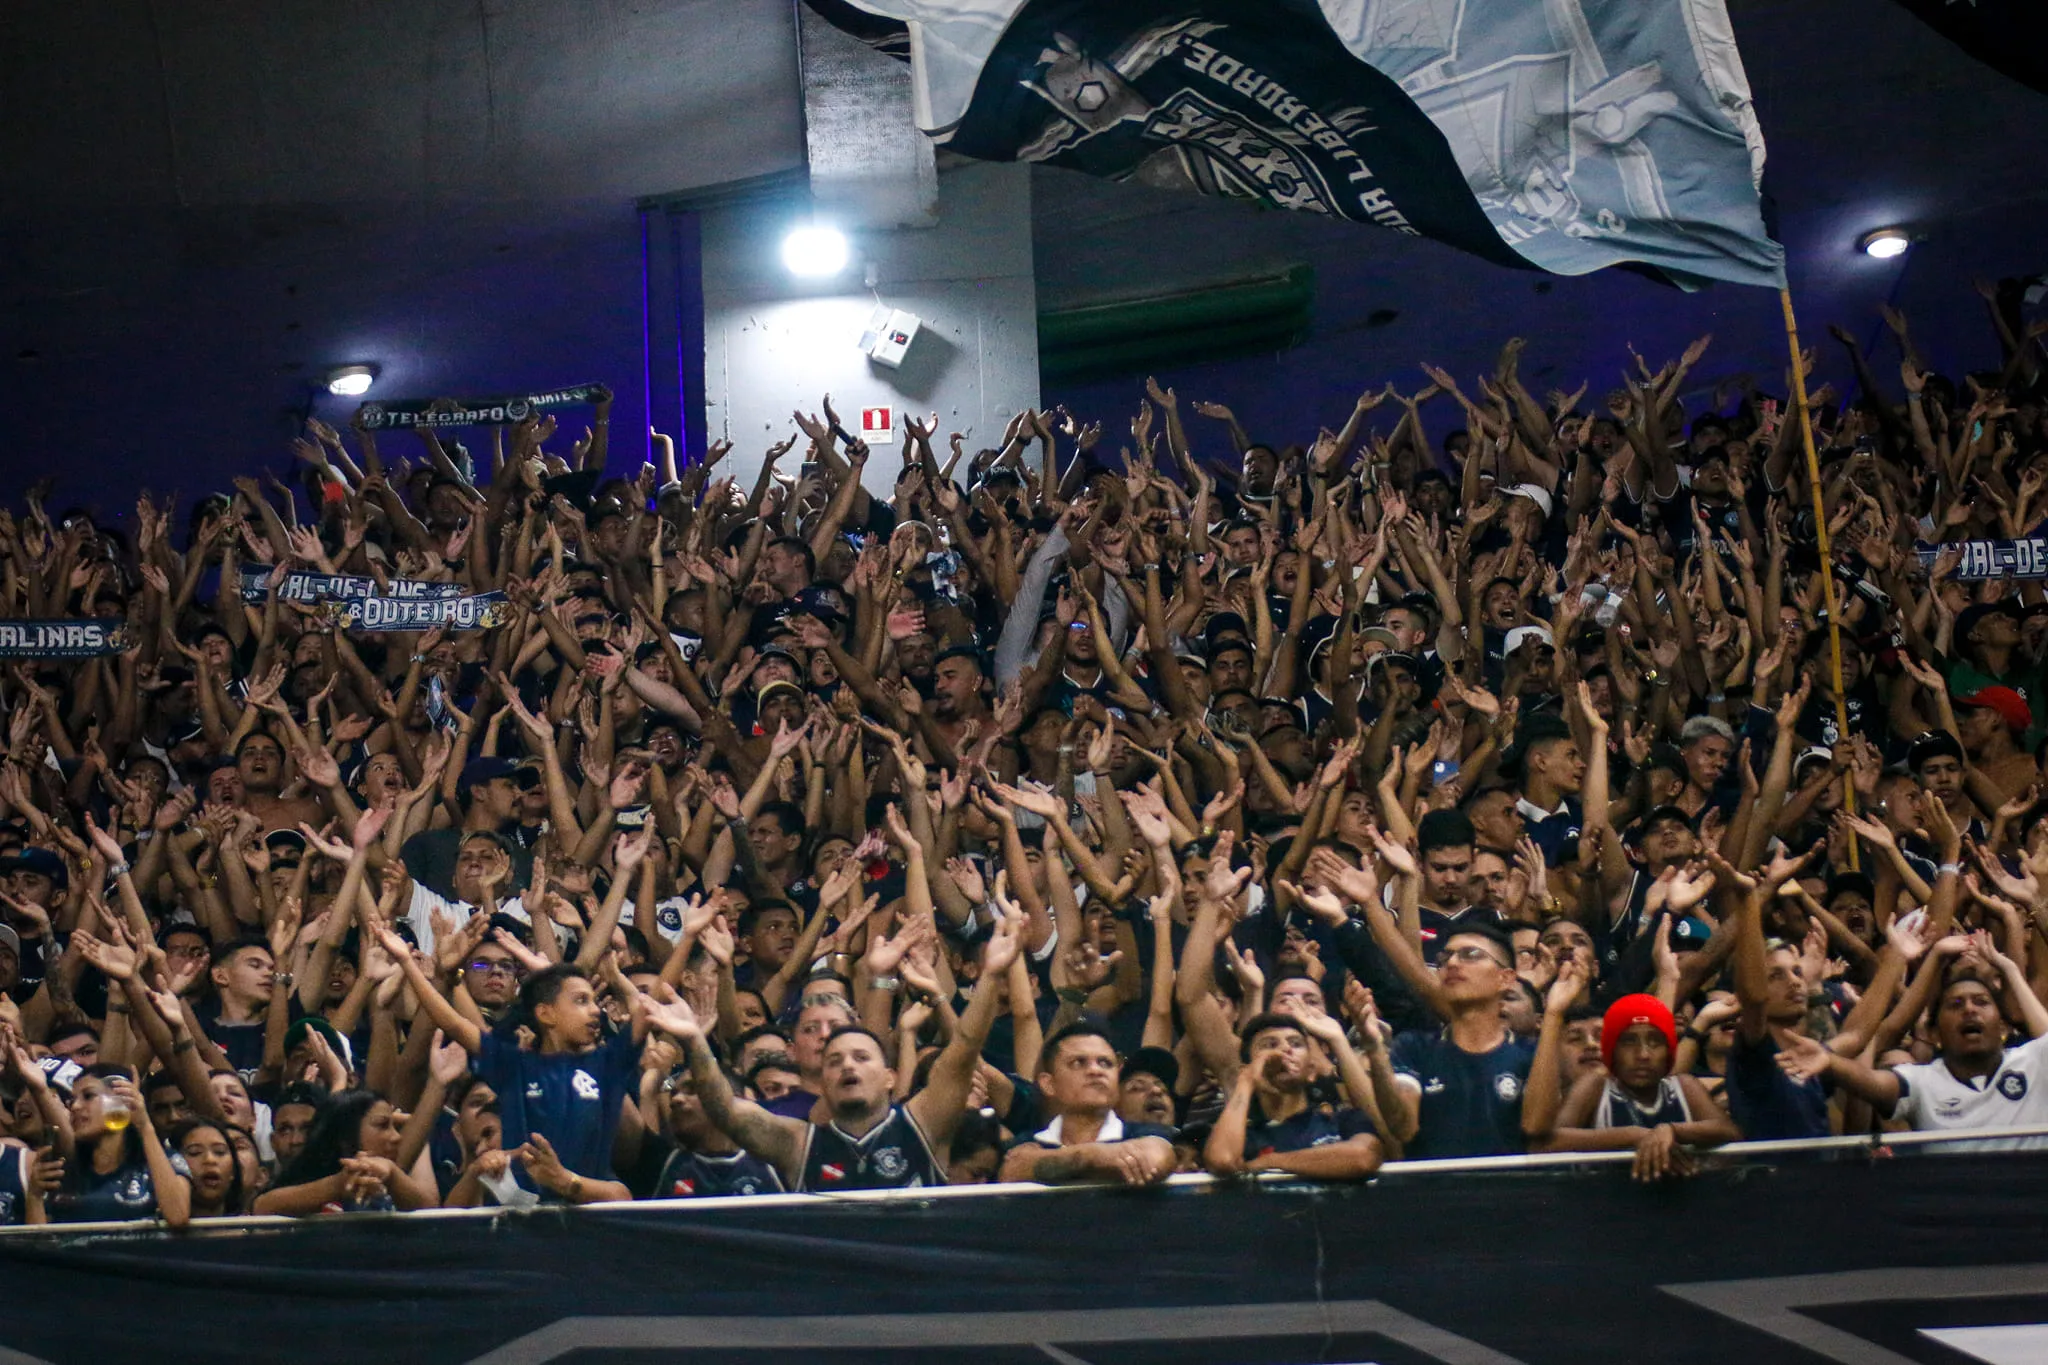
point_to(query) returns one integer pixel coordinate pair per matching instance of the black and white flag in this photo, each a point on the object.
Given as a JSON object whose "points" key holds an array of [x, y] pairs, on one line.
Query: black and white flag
{"points": [[1567, 135]]}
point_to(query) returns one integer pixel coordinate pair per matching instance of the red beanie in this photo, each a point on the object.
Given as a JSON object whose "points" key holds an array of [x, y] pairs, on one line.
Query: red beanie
{"points": [[1635, 1009]]}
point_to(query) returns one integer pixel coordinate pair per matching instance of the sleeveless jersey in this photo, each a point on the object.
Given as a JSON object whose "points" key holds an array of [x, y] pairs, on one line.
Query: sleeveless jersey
{"points": [[688, 1174], [1617, 1110], [893, 1156]]}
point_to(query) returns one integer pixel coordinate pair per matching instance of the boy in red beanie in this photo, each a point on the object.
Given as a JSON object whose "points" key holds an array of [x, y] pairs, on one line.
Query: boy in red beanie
{"points": [[1637, 1103]]}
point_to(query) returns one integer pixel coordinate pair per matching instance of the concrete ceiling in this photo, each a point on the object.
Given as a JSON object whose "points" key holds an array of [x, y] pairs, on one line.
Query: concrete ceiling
{"points": [[190, 103], [251, 192]]}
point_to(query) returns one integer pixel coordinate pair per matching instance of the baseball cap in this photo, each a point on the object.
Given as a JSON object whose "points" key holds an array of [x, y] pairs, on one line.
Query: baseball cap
{"points": [[1153, 1061], [39, 860], [1690, 934], [10, 941], [1967, 621], [820, 602], [1380, 635], [1934, 744], [2007, 703], [779, 685], [1224, 623], [485, 769], [1658, 815], [1521, 635]]}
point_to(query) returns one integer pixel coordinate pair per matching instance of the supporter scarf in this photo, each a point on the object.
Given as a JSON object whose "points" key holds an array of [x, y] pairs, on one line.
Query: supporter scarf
{"points": [[476, 412], [1621, 134], [78, 639], [1982, 559], [479, 612], [301, 586]]}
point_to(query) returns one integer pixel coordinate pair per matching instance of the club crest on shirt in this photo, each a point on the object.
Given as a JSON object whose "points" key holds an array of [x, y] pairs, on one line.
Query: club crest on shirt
{"points": [[2013, 1085], [1507, 1086], [890, 1164], [584, 1084]]}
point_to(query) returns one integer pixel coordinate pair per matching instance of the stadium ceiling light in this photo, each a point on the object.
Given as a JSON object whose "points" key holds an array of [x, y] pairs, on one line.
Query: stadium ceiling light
{"points": [[815, 251], [351, 381], [1885, 243]]}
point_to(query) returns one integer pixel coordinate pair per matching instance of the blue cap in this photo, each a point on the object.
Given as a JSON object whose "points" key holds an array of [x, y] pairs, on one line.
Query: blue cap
{"points": [[40, 860], [484, 770]]}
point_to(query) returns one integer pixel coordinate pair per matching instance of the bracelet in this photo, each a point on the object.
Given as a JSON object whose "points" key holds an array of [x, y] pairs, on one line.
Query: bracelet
{"points": [[116, 1009], [1073, 995], [1716, 698], [891, 984], [183, 1044], [1946, 868], [117, 870], [576, 1181]]}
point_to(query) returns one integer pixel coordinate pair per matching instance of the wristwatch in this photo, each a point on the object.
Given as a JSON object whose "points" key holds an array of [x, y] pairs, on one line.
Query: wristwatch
{"points": [[891, 984], [283, 979]]}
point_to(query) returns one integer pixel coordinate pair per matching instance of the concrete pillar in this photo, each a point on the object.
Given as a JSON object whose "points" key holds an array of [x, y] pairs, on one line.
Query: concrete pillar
{"points": [[773, 342]]}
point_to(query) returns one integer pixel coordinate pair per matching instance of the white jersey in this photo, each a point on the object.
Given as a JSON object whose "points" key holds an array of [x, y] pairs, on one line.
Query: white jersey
{"points": [[1932, 1098], [420, 914]]}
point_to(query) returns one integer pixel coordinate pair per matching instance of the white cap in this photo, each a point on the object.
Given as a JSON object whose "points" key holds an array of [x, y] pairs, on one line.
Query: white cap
{"points": [[1535, 493], [1521, 635]]}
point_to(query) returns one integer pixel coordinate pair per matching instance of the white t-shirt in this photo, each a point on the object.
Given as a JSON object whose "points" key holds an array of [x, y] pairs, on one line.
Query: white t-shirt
{"points": [[425, 902], [1932, 1098]]}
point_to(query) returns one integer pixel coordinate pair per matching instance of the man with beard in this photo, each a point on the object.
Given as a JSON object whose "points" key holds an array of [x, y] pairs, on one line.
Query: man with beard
{"points": [[1145, 1089], [1269, 1123], [870, 1142]]}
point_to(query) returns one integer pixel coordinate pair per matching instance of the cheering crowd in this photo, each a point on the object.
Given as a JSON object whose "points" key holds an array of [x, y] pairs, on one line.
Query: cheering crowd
{"points": [[448, 827]]}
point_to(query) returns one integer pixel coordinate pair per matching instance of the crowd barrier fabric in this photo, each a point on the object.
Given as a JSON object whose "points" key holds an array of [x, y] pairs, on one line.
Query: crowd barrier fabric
{"points": [[1786, 1258]]}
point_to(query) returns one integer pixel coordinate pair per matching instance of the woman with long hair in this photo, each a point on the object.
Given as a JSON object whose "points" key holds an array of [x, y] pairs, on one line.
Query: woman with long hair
{"points": [[349, 1164], [211, 1170], [115, 1168]]}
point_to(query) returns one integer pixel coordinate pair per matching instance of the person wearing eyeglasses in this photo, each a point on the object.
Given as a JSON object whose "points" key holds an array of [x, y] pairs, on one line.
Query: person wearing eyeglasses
{"points": [[1464, 1090], [491, 975]]}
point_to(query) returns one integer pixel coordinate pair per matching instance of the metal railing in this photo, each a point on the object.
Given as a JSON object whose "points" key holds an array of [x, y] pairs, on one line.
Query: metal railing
{"points": [[1944, 1142]]}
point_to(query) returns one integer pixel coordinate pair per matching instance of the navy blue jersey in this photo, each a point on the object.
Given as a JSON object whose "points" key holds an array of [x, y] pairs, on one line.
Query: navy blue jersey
{"points": [[894, 1155], [702, 1175], [15, 1163], [570, 1098], [1765, 1102], [1471, 1102], [122, 1194], [1319, 1125]]}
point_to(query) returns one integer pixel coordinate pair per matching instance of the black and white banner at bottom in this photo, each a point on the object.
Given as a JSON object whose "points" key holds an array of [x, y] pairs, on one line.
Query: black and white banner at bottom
{"points": [[87, 638], [1791, 1260]]}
